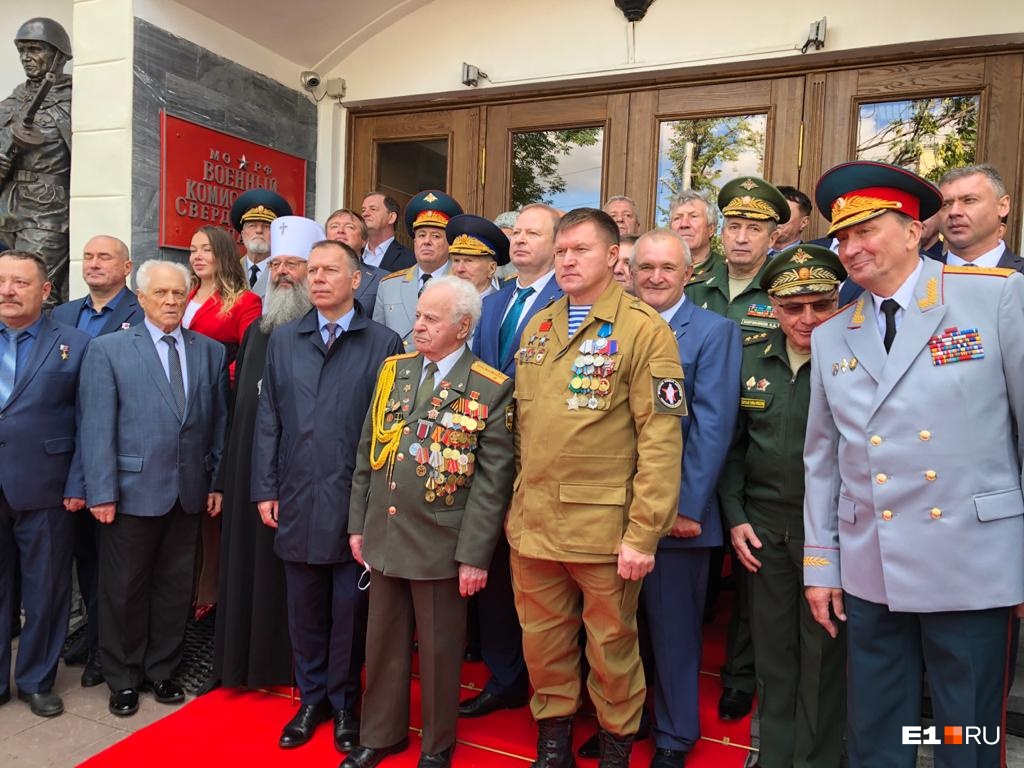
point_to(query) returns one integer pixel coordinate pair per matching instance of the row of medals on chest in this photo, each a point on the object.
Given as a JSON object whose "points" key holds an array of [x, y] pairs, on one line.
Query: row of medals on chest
{"points": [[445, 443], [591, 369]]}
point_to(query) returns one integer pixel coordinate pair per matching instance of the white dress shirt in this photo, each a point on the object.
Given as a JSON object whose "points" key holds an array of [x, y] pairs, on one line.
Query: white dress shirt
{"points": [[904, 296], [987, 259], [376, 256]]}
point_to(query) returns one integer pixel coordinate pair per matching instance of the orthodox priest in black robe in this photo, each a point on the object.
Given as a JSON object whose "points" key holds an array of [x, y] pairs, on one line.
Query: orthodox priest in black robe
{"points": [[251, 646]]}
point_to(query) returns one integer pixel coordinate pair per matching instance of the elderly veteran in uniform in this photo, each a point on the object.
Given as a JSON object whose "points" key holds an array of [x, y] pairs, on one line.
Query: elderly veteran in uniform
{"points": [[913, 513], [251, 215], [696, 220], [476, 248], [432, 482], [801, 677], [426, 217], [599, 395], [752, 209], [674, 593]]}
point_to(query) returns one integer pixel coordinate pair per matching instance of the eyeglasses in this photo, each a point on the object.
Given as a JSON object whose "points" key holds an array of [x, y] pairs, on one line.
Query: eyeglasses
{"points": [[796, 308], [290, 265]]}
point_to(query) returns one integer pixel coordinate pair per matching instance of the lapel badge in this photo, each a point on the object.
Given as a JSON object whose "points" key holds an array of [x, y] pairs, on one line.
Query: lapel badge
{"points": [[853, 363], [843, 365], [954, 346], [762, 385], [65, 351], [125, 326], [750, 383], [835, 369]]}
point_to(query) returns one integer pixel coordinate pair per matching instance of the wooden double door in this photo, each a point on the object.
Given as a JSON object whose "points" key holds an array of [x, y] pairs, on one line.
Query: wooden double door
{"points": [[650, 143]]}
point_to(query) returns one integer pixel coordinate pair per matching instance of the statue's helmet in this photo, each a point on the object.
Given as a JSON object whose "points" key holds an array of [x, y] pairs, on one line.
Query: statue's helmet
{"points": [[45, 30]]}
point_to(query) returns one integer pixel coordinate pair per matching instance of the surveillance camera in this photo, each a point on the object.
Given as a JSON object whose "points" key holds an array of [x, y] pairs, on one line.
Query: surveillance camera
{"points": [[310, 80]]}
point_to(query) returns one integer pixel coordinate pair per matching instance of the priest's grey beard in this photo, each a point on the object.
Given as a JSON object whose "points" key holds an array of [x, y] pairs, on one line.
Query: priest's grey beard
{"points": [[282, 305]]}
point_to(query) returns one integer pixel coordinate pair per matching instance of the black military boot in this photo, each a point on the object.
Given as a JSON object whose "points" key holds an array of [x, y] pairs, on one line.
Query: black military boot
{"points": [[554, 743], [614, 750]]}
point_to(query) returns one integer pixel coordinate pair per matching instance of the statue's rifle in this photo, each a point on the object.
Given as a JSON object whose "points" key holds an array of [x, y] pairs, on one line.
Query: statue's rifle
{"points": [[25, 134]]}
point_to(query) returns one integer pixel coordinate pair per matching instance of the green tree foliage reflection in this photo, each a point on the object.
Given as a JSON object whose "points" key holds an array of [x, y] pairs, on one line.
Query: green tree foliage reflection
{"points": [[698, 151], [535, 162], [928, 136]]}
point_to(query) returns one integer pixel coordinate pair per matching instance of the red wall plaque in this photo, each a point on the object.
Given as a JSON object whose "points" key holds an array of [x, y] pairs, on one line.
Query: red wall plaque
{"points": [[203, 171]]}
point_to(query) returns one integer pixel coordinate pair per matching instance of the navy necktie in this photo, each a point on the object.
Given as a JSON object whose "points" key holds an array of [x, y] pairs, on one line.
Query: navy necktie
{"points": [[507, 332], [254, 275], [8, 364], [332, 334]]}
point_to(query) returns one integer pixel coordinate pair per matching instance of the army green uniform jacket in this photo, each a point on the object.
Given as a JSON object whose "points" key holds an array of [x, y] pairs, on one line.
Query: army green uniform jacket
{"points": [[751, 309], [763, 479], [445, 500], [598, 437]]}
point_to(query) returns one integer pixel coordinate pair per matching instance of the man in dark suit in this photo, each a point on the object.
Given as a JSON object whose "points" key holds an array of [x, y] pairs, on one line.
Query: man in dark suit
{"points": [[109, 306], [428, 500], [40, 476], [673, 594], [974, 208], [153, 410], [532, 252], [348, 227], [383, 251], [317, 384]]}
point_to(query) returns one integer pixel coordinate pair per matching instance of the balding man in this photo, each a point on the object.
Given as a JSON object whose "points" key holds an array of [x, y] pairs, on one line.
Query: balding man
{"points": [[109, 306], [153, 409]]}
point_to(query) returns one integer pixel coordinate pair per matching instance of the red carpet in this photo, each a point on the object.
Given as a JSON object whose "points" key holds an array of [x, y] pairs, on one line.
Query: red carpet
{"points": [[240, 728]]}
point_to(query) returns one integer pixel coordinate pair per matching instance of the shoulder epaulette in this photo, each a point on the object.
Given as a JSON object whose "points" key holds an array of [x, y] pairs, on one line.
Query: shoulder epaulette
{"points": [[696, 279], [399, 273], [513, 276], [841, 309], [755, 338], [992, 271], [489, 373], [404, 356]]}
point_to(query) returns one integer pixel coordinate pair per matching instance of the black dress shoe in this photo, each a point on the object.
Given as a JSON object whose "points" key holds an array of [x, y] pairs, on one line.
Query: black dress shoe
{"points": [[442, 759], [735, 704], [346, 730], [124, 703], [300, 728], [43, 704], [591, 748], [78, 652], [92, 675], [168, 692], [485, 702], [668, 758], [368, 757]]}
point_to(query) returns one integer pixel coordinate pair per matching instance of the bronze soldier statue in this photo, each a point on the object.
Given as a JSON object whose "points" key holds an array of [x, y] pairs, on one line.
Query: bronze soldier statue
{"points": [[35, 151]]}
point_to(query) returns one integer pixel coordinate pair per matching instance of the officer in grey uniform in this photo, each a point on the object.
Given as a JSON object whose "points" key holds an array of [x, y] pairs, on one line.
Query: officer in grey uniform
{"points": [[913, 512]]}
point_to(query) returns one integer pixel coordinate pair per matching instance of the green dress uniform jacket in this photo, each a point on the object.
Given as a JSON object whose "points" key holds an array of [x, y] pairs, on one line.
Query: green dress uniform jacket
{"points": [[597, 464], [410, 531], [751, 309], [763, 479]]}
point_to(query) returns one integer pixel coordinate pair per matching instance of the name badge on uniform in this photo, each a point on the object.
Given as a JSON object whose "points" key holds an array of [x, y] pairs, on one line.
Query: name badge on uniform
{"points": [[955, 346]]}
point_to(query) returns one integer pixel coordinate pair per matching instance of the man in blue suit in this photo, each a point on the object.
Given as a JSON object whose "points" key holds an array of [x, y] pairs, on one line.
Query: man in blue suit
{"points": [[383, 251], [673, 593], [504, 314], [40, 476], [153, 411], [109, 306], [317, 383]]}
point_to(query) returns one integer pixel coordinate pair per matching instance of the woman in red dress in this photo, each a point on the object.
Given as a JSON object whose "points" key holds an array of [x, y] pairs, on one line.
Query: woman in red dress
{"points": [[222, 307]]}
